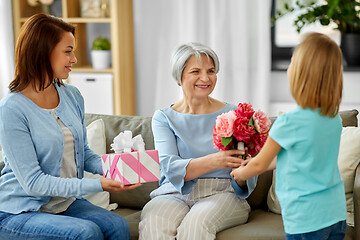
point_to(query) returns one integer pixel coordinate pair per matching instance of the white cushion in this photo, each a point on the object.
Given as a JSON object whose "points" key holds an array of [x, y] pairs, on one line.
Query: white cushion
{"points": [[348, 160], [96, 136], [97, 142]]}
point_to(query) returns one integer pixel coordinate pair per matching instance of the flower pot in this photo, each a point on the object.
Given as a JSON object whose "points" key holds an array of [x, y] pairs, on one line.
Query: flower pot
{"points": [[350, 46], [101, 59]]}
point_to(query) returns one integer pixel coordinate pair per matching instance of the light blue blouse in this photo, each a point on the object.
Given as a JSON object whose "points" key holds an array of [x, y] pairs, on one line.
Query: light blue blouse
{"points": [[33, 144], [181, 137], [308, 183]]}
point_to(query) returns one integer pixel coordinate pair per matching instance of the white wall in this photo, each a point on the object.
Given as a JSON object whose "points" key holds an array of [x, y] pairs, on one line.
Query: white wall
{"points": [[6, 46], [281, 99]]}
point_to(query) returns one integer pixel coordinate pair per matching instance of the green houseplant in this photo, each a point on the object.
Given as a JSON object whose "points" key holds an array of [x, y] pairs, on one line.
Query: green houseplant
{"points": [[101, 53], [344, 13]]}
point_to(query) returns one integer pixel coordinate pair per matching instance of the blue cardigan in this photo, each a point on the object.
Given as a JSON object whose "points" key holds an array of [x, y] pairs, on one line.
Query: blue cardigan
{"points": [[33, 145]]}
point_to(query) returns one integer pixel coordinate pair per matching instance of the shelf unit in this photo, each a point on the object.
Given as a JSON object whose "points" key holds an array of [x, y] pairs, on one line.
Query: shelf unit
{"points": [[122, 45]]}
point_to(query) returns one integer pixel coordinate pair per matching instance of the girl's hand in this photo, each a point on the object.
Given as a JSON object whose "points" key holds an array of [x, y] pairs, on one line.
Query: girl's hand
{"points": [[246, 161], [236, 174], [110, 185]]}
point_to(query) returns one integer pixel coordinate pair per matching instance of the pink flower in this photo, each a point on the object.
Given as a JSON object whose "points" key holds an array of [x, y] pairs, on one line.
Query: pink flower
{"points": [[224, 124], [242, 125], [261, 122], [242, 130], [217, 141], [244, 110]]}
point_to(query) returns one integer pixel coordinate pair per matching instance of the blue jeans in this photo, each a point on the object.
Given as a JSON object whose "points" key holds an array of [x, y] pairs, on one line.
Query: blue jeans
{"points": [[82, 220], [333, 232]]}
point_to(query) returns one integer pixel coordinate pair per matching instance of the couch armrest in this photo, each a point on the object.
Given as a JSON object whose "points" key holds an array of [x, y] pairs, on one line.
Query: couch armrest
{"points": [[356, 196]]}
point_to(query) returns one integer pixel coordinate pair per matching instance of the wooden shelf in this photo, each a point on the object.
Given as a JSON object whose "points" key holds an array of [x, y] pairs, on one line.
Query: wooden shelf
{"points": [[88, 20], [122, 45], [78, 20]]}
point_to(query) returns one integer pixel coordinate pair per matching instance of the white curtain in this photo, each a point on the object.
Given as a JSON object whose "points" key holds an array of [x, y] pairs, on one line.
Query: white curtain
{"points": [[237, 30], [6, 46]]}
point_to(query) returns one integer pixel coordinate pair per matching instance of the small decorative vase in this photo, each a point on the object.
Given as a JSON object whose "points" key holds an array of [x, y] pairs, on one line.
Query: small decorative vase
{"points": [[101, 59]]}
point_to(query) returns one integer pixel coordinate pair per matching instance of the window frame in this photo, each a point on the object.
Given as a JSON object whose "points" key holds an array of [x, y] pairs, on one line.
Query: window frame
{"points": [[280, 56]]}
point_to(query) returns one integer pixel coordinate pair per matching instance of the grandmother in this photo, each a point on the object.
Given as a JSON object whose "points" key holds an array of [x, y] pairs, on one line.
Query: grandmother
{"points": [[197, 197]]}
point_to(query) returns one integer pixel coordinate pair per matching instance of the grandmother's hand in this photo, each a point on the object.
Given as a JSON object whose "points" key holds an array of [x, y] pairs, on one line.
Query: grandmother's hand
{"points": [[110, 185], [228, 159]]}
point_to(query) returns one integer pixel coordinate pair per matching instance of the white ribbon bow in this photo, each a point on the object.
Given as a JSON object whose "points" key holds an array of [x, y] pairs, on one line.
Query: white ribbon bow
{"points": [[124, 142]]}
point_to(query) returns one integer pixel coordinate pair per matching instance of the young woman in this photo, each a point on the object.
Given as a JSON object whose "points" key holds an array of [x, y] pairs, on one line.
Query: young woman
{"points": [[306, 142], [43, 135]]}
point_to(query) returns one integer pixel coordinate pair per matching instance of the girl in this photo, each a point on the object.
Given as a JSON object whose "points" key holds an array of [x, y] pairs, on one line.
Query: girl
{"points": [[306, 143]]}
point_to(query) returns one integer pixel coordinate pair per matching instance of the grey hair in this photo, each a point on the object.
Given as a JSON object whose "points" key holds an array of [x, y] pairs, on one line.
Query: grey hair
{"points": [[182, 53]]}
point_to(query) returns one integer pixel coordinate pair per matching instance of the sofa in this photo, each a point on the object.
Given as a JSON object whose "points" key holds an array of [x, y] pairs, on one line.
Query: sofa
{"points": [[262, 223]]}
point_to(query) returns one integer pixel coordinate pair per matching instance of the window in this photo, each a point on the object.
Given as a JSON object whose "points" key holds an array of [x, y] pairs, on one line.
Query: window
{"points": [[284, 36]]}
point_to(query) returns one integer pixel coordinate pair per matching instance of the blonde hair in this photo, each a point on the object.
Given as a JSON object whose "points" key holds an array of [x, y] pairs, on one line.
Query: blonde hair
{"points": [[316, 76]]}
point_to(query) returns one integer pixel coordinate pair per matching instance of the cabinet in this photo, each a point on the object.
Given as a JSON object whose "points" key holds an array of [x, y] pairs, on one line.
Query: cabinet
{"points": [[96, 89], [122, 45]]}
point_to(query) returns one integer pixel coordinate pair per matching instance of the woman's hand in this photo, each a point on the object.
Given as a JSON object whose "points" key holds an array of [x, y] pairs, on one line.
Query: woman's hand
{"points": [[110, 185], [219, 160], [227, 159]]}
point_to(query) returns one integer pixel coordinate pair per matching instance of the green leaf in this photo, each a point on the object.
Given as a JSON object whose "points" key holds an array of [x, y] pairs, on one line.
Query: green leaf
{"points": [[251, 122], [324, 21], [286, 6], [101, 43], [226, 140]]}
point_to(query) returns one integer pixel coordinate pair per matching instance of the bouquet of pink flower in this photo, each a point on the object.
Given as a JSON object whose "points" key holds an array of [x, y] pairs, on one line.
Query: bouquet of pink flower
{"points": [[244, 126]]}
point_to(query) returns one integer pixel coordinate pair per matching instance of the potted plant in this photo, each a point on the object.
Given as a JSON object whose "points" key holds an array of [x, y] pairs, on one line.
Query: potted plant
{"points": [[344, 13], [100, 53]]}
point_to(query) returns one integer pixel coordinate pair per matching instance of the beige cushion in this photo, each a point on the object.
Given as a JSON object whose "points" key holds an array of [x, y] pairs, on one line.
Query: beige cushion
{"points": [[348, 160], [261, 225], [95, 132], [97, 142], [116, 124], [272, 201]]}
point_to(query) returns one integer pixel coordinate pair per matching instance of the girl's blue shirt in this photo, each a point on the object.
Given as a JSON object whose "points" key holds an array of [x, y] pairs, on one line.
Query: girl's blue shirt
{"points": [[308, 183], [33, 144], [181, 137]]}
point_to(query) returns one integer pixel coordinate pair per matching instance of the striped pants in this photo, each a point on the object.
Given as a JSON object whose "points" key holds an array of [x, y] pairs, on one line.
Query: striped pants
{"points": [[211, 207]]}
